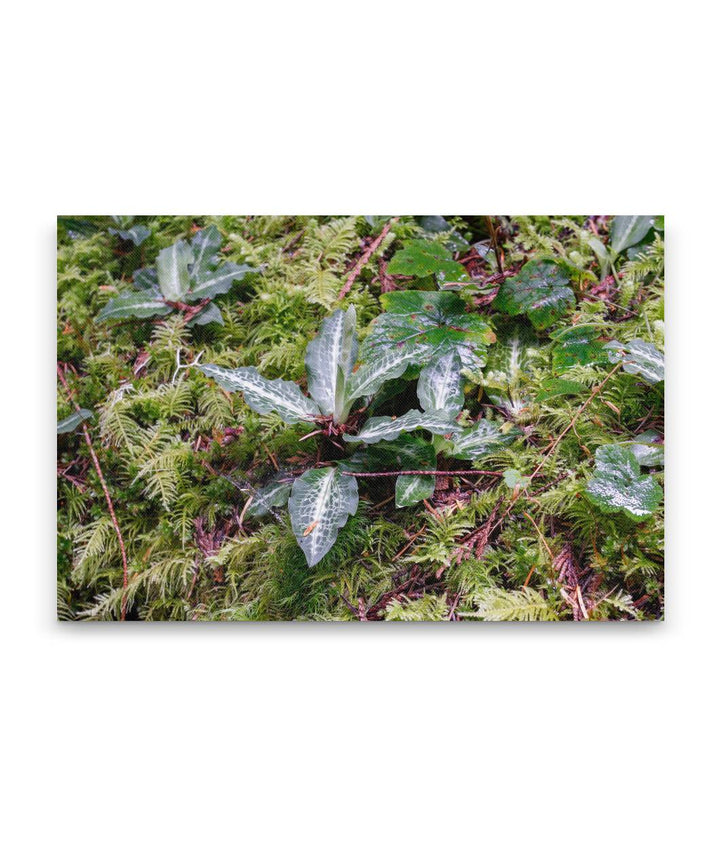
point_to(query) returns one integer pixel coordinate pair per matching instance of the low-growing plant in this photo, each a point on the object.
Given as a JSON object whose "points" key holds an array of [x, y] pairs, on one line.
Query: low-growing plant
{"points": [[430, 331], [186, 277]]}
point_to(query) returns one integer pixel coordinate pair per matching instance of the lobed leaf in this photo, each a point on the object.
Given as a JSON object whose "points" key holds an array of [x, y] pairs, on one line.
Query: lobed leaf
{"points": [[427, 258], [577, 346], [539, 291], [619, 485]]}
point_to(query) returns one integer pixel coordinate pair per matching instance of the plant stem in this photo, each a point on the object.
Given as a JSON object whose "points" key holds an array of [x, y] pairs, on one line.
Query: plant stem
{"points": [[108, 500], [365, 258], [425, 473]]}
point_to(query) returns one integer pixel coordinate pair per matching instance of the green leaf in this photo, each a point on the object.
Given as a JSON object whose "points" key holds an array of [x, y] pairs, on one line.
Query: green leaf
{"points": [[147, 278], [212, 283], [173, 270], [638, 357], [205, 245], [379, 368], [618, 484], [553, 387], [515, 479], [539, 291], [209, 315], [275, 494], [428, 324], [482, 438], [70, 423], [320, 503], [440, 385], [647, 448], [133, 304], [577, 346], [329, 360], [265, 396], [427, 258], [388, 428], [627, 231], [136, 234]]}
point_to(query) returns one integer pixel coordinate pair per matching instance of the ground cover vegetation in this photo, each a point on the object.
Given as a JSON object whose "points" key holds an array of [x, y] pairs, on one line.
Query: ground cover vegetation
{"points": [[360, 418]]}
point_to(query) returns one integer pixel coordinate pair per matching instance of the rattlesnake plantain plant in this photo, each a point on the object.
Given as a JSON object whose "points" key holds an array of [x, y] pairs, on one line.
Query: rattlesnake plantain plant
{"points": [[430, 330], [186, 277]]}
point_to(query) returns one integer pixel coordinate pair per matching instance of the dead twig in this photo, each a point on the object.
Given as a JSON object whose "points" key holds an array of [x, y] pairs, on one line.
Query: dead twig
{"points": [[365, 258]]}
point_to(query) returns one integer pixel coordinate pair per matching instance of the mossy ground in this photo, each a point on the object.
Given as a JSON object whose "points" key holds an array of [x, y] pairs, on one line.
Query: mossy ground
{"points": [[165, 444]]}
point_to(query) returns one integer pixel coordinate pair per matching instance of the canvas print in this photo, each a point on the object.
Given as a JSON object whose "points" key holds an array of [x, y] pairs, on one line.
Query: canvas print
{"points": [[360, 418]]}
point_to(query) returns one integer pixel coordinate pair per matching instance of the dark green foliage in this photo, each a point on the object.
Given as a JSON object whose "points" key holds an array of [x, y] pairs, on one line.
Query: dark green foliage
{"points": [[188, 464]]}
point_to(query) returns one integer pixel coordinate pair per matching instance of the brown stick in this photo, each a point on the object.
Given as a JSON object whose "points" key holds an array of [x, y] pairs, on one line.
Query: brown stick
{"points": [[111, 509], [425, 473], [365, 258], [496, 248]]}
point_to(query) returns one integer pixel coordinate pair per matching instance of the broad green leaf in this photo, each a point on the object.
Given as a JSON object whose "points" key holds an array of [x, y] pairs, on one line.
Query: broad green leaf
{"points": [[265, 396], [275, 494], [554, 386], [209, 315], [619, 485], [515, 479], [428, 324], [147, 278], [388, 428], [482, 438], [412, 489], [379, 368], [320, 503], [440, 385], [647, 448], [329, 360], [627, 231], [539, 291], [638, 357], [136, 234], [133, 304], [70, 423], [577, 346], [212, 283], [427, 258], [173, 270], [205, 245]]}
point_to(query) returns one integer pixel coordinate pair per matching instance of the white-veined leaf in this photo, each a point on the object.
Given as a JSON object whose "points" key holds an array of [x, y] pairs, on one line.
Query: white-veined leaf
{"points": [[212, 283], [619, 485], [638, 357], [133, 304], [440, 385], [275, 494], [205, 244], [173, 270], [381, 367], [482, 438], [329, 360], [263, 395], [387, 428], [628, 231], [320, 503]]}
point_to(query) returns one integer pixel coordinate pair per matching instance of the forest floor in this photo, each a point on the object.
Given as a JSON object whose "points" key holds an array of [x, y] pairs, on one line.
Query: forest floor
{"points": [[159, 467]]}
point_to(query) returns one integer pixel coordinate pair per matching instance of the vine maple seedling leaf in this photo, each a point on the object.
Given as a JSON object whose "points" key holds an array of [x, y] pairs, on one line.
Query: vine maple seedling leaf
{"points": [[577, 346], [427, 258], [619, 485], [539, 291], [320, 503]]}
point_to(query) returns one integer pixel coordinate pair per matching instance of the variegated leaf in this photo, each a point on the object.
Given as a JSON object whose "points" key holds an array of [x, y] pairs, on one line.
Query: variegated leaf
{"points": [[619, 485], [173, 270], [628, 231], [275, 494], [205, 244], [482, 438], [638, 357], [382, 367], [265, 396], [412, 489], [320, 503], [212, 283], [147, 278], [133, 304], [440, 385], [329, 360], [388, 428]]}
